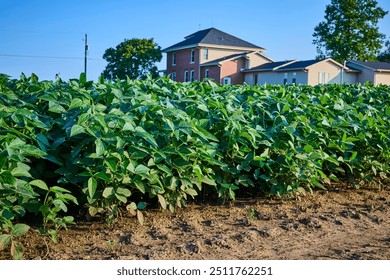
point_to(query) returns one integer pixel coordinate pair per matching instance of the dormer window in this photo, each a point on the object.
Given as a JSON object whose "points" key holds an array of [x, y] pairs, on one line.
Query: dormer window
{"points": [[192, 56]]}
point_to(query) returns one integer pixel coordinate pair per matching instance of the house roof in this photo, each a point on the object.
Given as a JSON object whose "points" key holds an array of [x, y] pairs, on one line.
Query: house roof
{"points": [[299, 65], [211, 36], [376, 66], [270, 66], [305, 64], [225, 58], [291, 65]]}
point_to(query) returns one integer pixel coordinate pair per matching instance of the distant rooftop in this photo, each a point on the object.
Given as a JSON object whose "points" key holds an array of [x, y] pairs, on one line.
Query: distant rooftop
{"points": [[212, 36], [369, 64]]}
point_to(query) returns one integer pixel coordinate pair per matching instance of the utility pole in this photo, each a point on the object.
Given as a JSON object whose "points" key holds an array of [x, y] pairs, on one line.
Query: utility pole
{"points": [[85, 55]]}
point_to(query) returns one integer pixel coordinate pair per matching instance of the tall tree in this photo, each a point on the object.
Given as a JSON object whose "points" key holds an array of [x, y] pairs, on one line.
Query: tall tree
{"points": [[134, 58], [350, 30], [385, 55]]}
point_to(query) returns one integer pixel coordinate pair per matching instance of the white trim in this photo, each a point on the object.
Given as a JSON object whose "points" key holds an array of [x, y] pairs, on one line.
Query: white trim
{"points": [[174, 59], [192, 56], [205, 54], [206, 73]]}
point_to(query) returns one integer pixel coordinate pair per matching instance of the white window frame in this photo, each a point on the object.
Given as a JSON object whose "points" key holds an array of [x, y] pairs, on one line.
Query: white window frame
{"points": [[206, 54], [186, 76], [173, 76], [285, 79], [227, 81], [294, 78], [327, 75], [206, 73], [320, 78], [192, 75], [173, 59], [192, 57]]}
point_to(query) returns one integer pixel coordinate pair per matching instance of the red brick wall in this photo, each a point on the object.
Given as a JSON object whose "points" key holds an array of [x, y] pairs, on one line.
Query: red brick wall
{"points": [[232, 69], [217, 73], [183, 63], [214, 72]]}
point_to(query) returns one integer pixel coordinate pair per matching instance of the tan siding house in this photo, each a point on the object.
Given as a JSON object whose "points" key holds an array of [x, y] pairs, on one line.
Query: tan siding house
{"points": [[308, 72], [374, 72]]}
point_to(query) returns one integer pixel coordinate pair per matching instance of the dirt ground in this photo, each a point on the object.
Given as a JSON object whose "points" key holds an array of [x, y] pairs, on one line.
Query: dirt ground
{"points": [[342, 223]]}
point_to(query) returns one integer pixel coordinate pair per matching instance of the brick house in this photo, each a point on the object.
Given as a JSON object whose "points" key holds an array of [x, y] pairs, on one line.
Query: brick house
{"points": [[213, 54]]}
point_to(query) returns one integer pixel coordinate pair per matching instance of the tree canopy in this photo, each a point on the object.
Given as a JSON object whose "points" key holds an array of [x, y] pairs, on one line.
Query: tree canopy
{"points": [[350, 30], [385, 55], [134, 58]]}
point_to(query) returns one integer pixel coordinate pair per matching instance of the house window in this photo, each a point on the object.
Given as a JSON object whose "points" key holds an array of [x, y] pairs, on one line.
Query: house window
{"points": [[205, 54], [185, 76], [255, 79], [285, 78], [192, 75], [173, 76], [227, 81], [294, 78], [206, 73], [192, 56], [323, 77], [174, 59]]}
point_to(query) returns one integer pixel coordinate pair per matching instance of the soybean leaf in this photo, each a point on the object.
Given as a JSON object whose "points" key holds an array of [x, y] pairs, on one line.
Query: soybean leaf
{"points": [[108, 191], [40, 184], [76, 129], [19, 230], [5, 239], [162, 201], [92, 186]]}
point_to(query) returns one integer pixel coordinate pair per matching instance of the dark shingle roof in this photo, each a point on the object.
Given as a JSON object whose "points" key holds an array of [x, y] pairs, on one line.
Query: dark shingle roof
{"points": [[370, 64], [299, 64], [216, 61], [269, 66], [212, 36]]}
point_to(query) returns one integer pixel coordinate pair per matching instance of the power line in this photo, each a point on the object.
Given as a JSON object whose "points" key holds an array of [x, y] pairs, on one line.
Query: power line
{"points": [[50, 57]]}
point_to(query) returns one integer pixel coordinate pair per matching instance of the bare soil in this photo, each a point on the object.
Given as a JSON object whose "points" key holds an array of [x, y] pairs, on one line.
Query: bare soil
{"points": [[342, 223]]}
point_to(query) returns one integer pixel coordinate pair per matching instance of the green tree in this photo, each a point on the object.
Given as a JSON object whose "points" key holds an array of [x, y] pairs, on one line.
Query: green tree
{"points": [[350, 30], [385, 55], [134, 58]]}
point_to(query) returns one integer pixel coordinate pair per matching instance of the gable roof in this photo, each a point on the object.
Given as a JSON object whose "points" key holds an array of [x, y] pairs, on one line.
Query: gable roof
{"points": [[376, 66], [211, 36]]}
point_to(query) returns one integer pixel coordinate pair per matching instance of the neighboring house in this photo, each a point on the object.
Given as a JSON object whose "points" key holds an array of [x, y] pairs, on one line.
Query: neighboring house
{"points": [[308, 72], [213, 54], [374, 72]]}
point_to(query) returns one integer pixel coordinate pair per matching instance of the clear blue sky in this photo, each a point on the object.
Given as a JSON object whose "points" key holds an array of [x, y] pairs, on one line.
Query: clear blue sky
{"points": [[46, 37]]}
